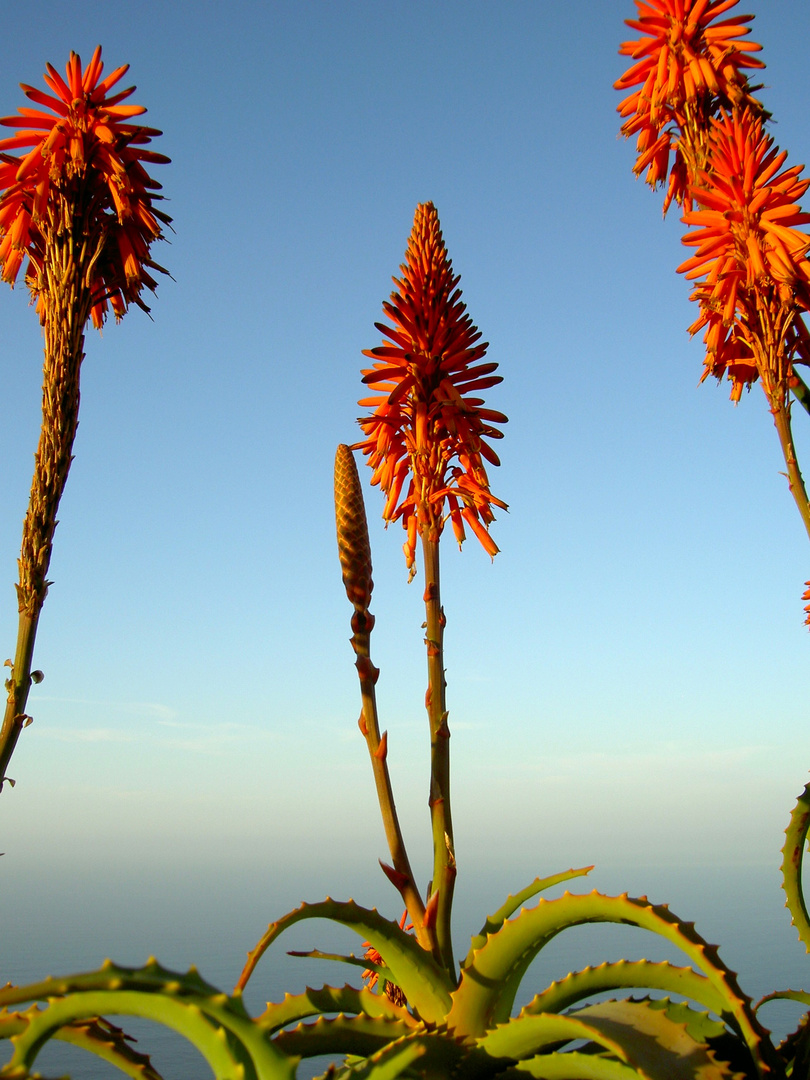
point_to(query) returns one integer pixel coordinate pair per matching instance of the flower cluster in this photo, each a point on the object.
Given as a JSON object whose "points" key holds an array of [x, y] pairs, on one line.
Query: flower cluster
{"points": [[84, 161], [751, 266], [687, 64], [425, 428]]}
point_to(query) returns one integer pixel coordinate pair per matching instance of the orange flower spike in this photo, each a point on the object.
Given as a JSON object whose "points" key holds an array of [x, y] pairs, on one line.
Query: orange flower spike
{"points": [[686, 62], [83, 147], [427, 428]]}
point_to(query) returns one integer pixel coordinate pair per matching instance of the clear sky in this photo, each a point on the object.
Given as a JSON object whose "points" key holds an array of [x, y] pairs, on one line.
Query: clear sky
{"points": [[626, 682]]}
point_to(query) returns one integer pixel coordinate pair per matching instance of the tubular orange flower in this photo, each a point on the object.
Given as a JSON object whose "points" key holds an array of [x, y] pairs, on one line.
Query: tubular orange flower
{"points": [[751, 258], [426, 429], [86, 154], [687, 64]]}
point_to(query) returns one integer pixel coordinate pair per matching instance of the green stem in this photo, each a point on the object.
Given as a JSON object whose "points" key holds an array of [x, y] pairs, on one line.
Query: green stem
{"points": [[780, 410], [402, 876], [444, 857], [800, 390], [18, 684]]}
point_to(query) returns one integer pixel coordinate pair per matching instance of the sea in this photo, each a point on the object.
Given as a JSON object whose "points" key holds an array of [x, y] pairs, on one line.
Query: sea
{"points": [[57, 921]]}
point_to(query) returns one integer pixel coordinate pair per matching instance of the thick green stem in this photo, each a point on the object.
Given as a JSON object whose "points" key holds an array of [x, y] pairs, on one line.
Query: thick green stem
{"points": [[444, 857]]}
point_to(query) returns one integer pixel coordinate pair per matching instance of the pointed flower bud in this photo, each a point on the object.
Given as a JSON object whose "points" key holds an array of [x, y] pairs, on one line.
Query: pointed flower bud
{"points": [[354, 549]]}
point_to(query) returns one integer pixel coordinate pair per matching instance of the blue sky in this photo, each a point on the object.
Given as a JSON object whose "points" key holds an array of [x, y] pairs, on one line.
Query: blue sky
{"points": [[625, 682]]}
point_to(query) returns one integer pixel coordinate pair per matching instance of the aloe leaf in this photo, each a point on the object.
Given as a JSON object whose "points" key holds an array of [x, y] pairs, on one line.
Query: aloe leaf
{"points": [[699, 1025], [390, 1062], [488, 985], [526, 1036], [802, 996], [218, 1025], [576, 1066], [624, 975], [189, 1022], [653, 1041], [95, 1035], [426, 986], [361, 1035], [792, 854], [794, 1050], [512, 903], [355, 961], [329, 999]]}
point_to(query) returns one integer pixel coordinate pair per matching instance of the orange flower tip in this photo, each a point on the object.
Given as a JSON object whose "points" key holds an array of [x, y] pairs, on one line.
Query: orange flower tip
{"points": [[431, 911], [381, 753], [397, 879]]}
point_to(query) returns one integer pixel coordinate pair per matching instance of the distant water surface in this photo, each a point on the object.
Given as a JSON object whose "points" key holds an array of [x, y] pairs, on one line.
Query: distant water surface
{"points": [[57, 922]]}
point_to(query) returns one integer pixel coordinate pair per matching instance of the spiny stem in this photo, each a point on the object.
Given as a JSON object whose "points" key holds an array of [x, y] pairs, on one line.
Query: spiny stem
{"points": [[444, 857]]}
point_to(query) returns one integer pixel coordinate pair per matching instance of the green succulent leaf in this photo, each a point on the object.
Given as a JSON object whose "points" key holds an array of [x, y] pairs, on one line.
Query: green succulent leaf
{"points": [[794, 1050], [217, 1025], [577, 1066], [389, 1063], [526, 1036], [792, 854], [329, 999], [361, 1035], [426, 986], [488, 985], [177, 1015], [654, 1041], [512, 903], [96, 1035], [625, 975]]}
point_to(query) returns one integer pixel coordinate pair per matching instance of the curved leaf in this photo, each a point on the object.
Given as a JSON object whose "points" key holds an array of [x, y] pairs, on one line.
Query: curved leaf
{"points": [[218, 1025], [96, 1035], [177, 1015], [794, 1050], [361, 1035], [626, 975], [426, 986], [802, 996], [653, 1042], [330, 999], [792, 854], [527, 1036], [576, 1066], [488, 985], [512, 903], [390, 1062]]}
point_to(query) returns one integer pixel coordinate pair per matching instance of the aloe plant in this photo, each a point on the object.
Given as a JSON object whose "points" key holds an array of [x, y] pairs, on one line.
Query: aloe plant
{"points": [[420, 1013]]}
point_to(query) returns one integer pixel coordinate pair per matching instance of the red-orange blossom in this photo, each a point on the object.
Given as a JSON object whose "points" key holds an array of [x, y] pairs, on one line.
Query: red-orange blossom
{"points": [[426, 435]]}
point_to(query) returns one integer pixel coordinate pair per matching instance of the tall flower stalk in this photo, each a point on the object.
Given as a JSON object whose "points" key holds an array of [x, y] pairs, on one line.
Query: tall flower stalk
{"points": [[694, 106], [80, 206], [426, 440]]}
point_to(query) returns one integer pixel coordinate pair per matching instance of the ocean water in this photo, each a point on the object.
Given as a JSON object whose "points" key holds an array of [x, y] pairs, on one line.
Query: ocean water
{"points": [[56, 921]]}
